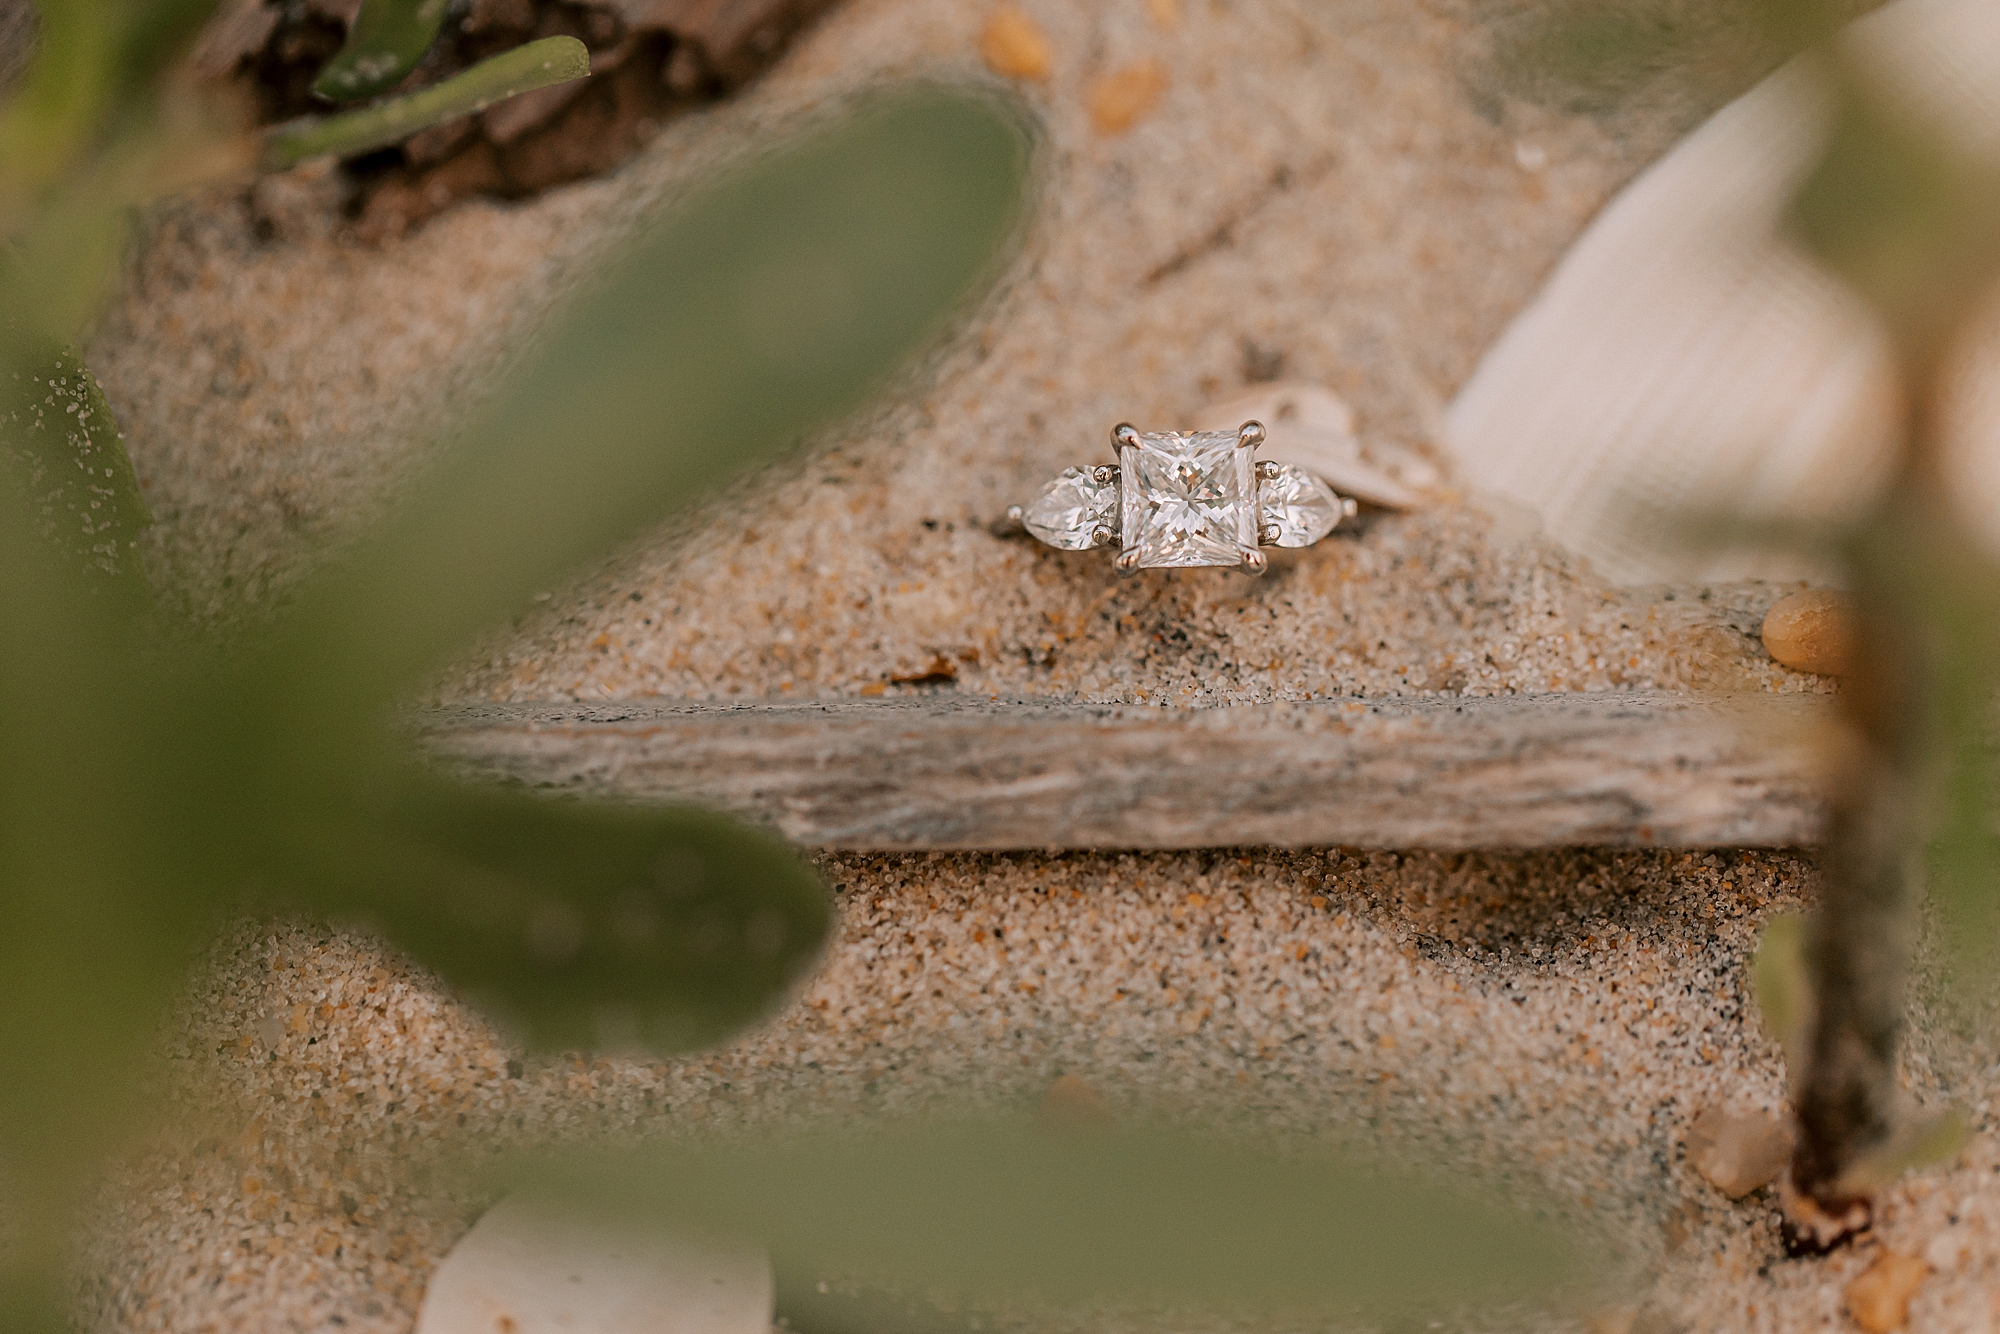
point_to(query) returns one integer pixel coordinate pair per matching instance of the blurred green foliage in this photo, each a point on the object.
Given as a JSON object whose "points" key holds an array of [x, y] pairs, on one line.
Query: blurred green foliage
{"points": [[150, 782], [1676, 58], [61, 449], [1903, 208], [1908, 215], [1782, 984], [999, 1211], [1904, 213], [153, 782]]}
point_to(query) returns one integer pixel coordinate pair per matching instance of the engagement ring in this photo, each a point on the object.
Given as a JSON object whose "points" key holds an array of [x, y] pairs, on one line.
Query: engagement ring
{"points": [[1185, 498]]}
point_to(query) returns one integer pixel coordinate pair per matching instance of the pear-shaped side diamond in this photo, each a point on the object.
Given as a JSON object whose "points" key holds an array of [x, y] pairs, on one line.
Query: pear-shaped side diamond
{"points": [[1076, 510], [1295, 508]]}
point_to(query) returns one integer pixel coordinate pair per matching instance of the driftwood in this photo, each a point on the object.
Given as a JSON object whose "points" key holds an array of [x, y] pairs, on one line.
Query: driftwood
{"points": [[941, 772]]}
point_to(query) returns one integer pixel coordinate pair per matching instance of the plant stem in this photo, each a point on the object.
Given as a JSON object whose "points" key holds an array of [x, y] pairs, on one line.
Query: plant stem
{"points": [[535, 65], [1859, 951]]}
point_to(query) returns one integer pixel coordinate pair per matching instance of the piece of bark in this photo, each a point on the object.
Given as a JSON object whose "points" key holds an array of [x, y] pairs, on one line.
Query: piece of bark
{"points": [[529, 1270], [236, 33], [514, 15], [342, 12], [396, 205], [611, 115], [942, 772], [509, 120], [649, 60], [738, 37], [1738, 1152], [439, 142]]}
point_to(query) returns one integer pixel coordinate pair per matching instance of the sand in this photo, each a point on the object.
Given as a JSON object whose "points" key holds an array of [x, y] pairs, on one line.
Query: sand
{"points": [[1317, 187]]}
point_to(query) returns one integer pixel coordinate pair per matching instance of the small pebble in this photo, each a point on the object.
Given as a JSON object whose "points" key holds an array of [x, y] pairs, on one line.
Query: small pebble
{"points": [[1812, 631], [1611, 1320], [1072, 1104], [1948, 1250], [1879, 1300], [1120, 98], [1738, 1152], [1013, 46]]}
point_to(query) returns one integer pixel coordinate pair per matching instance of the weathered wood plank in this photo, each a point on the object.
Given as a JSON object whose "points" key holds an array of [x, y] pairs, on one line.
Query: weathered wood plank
{"points": [[940, 772]]}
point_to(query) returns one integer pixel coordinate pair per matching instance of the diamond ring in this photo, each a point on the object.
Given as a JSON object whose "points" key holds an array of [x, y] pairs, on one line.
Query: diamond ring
{"points": [[1185, 498]]}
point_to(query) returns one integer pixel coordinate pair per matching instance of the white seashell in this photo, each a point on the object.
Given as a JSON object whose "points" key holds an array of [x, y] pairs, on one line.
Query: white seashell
{"points": [[1314, 428], [524, 1270], [1686, 358]]}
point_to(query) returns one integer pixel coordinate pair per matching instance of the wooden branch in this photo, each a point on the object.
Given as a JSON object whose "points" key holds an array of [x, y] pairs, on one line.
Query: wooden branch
{"points": [[938, 771]]}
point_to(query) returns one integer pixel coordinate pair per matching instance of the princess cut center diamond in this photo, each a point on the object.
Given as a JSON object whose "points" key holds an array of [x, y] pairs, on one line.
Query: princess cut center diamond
{"points": [[1187, 498]]}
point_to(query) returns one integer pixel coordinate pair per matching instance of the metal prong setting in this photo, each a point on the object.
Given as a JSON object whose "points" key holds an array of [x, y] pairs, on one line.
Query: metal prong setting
{"points": [[1014, 513], [1250, 435], [1104, 474], [1123, 436], [1255, 561], [1267, 470], [1348, 507]]}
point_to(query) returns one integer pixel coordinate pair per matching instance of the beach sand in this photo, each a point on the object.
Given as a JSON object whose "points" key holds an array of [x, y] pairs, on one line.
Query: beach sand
{"points": [[1317, 188]]}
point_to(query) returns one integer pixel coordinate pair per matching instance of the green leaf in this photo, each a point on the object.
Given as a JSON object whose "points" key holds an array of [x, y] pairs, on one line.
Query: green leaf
{"points": [[1597, 56], [1918, 1143], [387, 40], [61, 449], [754, 314], [1904, 216], [96, 63], [62, 99], [538, 64], [1783, 985], [32, 1299], [146, 787], [156, 32], [577, 925], [998, 1211], [1964, 588], [94, 932]]}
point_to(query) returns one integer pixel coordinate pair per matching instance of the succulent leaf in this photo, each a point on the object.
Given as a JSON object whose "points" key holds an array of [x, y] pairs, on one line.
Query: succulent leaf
{"points": [[1783, 985], [387, 40], [999, 1211], [585, 925], [747, 318], [61, 448], [1920, 1142], [1902, 213]]}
